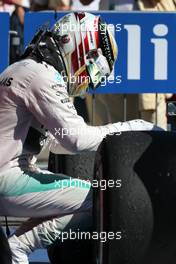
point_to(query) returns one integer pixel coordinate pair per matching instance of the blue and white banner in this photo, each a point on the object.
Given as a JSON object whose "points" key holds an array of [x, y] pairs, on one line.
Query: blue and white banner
{"points": [[4, 40], [146, 49]]}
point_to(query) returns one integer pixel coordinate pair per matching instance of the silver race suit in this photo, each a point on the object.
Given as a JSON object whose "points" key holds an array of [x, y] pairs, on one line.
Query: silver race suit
{"points": [[33, 102], [35, 109]]}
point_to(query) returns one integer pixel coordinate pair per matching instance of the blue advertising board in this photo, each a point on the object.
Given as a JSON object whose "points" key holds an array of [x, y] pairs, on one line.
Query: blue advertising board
{"points": [[4, 43], [146, 49]]}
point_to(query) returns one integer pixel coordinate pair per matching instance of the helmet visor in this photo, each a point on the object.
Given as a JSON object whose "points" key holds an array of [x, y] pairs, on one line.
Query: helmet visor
{"points": [[97, 68]]}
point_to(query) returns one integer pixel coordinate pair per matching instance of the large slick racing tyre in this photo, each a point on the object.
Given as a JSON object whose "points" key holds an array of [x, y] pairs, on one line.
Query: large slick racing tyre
{"points": [[144, 208], [125, 205], [77, 166]]}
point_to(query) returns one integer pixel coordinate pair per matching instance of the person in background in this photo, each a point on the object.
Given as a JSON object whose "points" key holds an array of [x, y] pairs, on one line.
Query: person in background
{"points": [[153, 106], [7, 6], [17, 25], [156, 5], [62, 5], [39, 5], [123, 5], [85, 5]]}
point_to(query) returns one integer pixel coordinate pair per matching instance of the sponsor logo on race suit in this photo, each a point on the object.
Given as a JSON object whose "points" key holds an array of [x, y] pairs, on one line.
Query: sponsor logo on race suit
{"points": [[6, 81]]}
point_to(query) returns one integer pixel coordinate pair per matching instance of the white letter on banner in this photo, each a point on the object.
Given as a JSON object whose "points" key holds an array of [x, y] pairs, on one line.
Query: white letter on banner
{"points": [[134, 52], [160, 52]]}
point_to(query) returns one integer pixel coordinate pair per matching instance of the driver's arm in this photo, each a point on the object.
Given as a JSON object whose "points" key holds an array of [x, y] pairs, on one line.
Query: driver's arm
{"points": [[48, 101]]}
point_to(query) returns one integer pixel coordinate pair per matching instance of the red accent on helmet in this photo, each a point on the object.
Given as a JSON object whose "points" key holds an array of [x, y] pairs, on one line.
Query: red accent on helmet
{"points": [[97, 39], [96, 21], [65, 39], [74, 60], [86, 42], [80, 15], [81, 53]]}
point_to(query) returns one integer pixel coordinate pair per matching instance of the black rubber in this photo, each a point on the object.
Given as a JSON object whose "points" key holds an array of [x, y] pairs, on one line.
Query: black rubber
{"points": [[77, 166], [152, 157], [77, 251], [157, 168], [128, 208], [73, 251], [143, 209], [5, 254]]}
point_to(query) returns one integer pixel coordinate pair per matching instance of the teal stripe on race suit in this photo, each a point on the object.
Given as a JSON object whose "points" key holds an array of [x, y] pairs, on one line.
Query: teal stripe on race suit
{"points": [[38, 182]]}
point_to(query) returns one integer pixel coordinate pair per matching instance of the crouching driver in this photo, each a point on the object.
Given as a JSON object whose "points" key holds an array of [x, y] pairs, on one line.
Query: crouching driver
{"points": [[34, 105]]}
